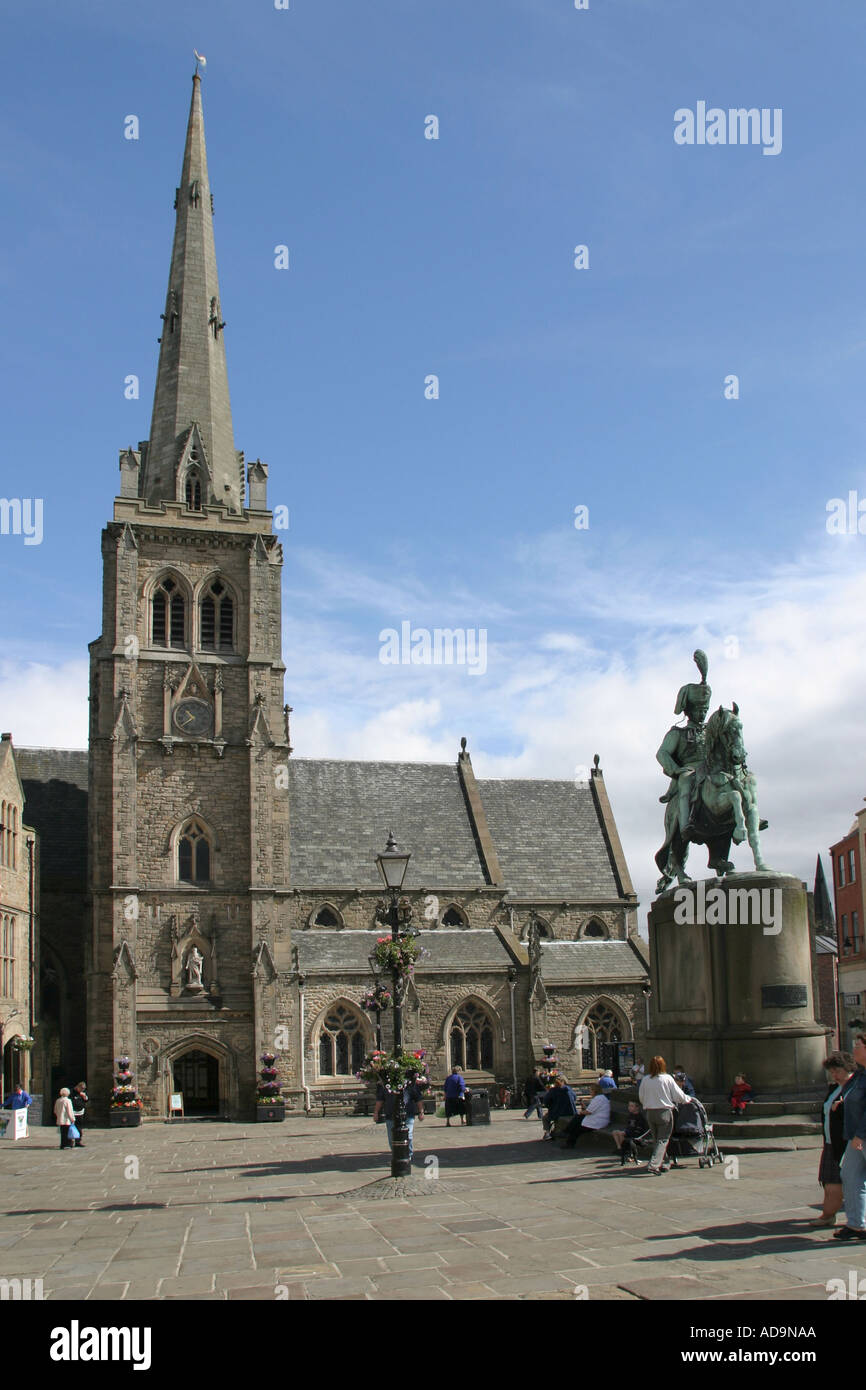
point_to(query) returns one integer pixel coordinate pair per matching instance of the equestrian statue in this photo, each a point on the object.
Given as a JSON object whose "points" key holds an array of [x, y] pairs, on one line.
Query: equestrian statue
{"points": [[711, 798]]}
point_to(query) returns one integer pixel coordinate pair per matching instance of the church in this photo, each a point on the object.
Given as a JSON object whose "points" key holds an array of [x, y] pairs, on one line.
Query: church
{"points": [[205, 895]]}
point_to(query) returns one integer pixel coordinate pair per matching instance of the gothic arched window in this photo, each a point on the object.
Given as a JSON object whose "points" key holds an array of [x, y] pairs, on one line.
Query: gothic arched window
{"points": [[471, 1039], [327, 917], [7, 973], [341, 1042], [454, 917], [598, 1043], [217, 619], [595, 929], [193, 854], [168, 615]]}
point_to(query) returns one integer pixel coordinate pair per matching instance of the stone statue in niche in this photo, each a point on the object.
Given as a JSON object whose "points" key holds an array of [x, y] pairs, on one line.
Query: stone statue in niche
{"points": [[194, 962]]}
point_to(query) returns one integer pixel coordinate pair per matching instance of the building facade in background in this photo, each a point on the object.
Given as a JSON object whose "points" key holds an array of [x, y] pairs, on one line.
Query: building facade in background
{"points": [[19, 929], [847, 857]]}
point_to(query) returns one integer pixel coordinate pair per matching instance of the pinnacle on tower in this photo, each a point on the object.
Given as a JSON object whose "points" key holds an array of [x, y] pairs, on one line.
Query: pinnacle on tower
{"points": [[191, 456]]}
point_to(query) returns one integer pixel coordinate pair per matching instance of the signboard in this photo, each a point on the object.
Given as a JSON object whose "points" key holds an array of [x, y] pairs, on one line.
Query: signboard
{"points": [[625, 1058], [175, 1104], [13, 1124], [784, 996]]}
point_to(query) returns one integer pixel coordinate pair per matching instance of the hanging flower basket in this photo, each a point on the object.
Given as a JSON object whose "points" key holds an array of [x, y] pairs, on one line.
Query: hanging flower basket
{"points": [[23, 1044], [378, 999], [400, 955], [396, 1072]]}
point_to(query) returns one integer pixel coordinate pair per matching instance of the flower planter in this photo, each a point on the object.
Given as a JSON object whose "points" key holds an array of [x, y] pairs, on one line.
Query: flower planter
{"points": [[123, 1119], [271, 1114]]}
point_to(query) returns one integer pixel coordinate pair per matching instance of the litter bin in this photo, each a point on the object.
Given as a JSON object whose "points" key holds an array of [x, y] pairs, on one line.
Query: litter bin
{"points": [[478, 1110]]}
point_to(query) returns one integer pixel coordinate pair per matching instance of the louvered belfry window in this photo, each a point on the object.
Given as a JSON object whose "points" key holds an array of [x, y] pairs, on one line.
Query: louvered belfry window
{"points": [[217, 619], [168, 622]]}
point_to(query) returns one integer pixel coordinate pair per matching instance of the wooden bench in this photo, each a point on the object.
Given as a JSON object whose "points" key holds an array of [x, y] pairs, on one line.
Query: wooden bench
{"points": [[346, 1103]]}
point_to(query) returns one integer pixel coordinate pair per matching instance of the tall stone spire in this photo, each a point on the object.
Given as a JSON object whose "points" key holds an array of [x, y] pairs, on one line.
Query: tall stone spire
{"points": [[191, 455]]}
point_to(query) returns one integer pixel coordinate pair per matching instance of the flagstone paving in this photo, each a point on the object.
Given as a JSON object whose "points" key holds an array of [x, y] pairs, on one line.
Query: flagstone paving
{"points": [[260, 1212]]}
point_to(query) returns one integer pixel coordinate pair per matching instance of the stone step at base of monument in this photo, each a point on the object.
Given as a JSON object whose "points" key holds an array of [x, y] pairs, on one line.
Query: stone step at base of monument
{"points": [[812, 1143], [763, 1109], [773, 1127]]}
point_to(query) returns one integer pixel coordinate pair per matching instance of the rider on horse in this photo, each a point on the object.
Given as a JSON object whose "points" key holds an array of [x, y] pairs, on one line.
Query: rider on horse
{"points": [[682, 754]]}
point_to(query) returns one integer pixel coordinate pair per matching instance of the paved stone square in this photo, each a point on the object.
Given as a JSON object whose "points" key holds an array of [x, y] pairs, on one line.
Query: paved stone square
{"points": [[220, 1211]]}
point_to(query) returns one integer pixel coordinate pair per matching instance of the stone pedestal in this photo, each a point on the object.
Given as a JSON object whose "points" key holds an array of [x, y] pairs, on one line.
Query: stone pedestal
{"points": [[731, 972]]}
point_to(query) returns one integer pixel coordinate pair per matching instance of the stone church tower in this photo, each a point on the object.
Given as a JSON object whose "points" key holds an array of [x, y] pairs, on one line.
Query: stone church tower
{"points": [[188, 812]]}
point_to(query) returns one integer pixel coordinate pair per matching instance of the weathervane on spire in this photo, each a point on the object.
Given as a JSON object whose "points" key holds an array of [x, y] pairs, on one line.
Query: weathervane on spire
{"points": [[200, 61]]}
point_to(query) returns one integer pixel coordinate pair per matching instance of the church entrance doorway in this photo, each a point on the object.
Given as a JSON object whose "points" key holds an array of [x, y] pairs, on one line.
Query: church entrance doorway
{"points": [[197, 1076]]}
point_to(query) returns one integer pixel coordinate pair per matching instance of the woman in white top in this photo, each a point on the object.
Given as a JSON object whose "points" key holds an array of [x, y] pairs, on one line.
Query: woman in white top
{"points": [[65, 1117], [659, 1096], [594, 1115]]}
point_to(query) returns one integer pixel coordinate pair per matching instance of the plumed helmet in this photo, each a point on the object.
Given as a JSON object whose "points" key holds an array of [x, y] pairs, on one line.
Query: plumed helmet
{"points": [[688, 694]]}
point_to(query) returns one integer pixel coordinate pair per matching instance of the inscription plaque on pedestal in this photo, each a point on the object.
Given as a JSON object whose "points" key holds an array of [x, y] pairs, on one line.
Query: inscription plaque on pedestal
{"points": [[784, 996]]}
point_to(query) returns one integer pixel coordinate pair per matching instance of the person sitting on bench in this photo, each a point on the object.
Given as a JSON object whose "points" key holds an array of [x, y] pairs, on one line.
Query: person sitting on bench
{"points": [[592, 1115]]}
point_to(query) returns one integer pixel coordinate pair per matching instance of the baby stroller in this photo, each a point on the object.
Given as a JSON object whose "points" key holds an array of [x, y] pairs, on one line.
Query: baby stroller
{"points": [[693, 1136]]}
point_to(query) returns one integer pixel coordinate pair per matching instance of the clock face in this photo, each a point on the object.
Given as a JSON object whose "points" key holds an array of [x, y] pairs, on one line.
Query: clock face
{"points": [[193, 717]]}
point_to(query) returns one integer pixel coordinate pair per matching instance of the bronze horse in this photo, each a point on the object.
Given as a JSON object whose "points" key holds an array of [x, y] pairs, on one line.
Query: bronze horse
{"points": [[724, 805]]}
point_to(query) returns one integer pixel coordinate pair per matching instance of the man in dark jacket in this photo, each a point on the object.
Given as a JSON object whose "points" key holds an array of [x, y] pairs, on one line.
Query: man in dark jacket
{"points": [[560, 1103], [684, 1081], [854, 1157]]}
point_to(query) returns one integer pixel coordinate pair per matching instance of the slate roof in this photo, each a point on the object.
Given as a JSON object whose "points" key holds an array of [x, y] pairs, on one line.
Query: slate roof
{"points": [[576, 962], [548, 838], [340, 814], [322, 952], [547, 834]]}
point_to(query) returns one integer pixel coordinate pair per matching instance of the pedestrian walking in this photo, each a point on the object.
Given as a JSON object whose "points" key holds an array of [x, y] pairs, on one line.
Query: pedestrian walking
{"points": [[413, 1099], [853, 1165], [840, 1073], [638, 1071], [659, 1096], [455, 1096], [534, 1091], [79, 1106], [65, 1116]]}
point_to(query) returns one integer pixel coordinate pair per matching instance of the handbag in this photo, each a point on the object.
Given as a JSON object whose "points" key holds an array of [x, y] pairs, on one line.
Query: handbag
{"points": [[74, 1132]]}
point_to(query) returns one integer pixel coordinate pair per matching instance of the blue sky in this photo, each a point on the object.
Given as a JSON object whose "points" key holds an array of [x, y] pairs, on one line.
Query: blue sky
{"points": [[558, 387]]}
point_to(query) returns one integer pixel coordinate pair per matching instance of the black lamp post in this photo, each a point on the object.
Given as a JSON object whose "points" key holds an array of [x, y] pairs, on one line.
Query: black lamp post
{"points": [[392, 865]]}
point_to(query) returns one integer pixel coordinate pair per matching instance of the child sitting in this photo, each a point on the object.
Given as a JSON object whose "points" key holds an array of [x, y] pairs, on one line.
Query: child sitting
{"points": [[626, 1139], [741, 1095]]}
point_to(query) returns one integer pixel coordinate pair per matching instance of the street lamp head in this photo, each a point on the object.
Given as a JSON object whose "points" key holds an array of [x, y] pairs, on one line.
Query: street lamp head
{"points": [[392, 864]]}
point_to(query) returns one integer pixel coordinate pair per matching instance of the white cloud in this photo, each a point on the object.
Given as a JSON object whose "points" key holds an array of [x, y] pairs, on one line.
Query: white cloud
{"points": [[44, 705]]}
